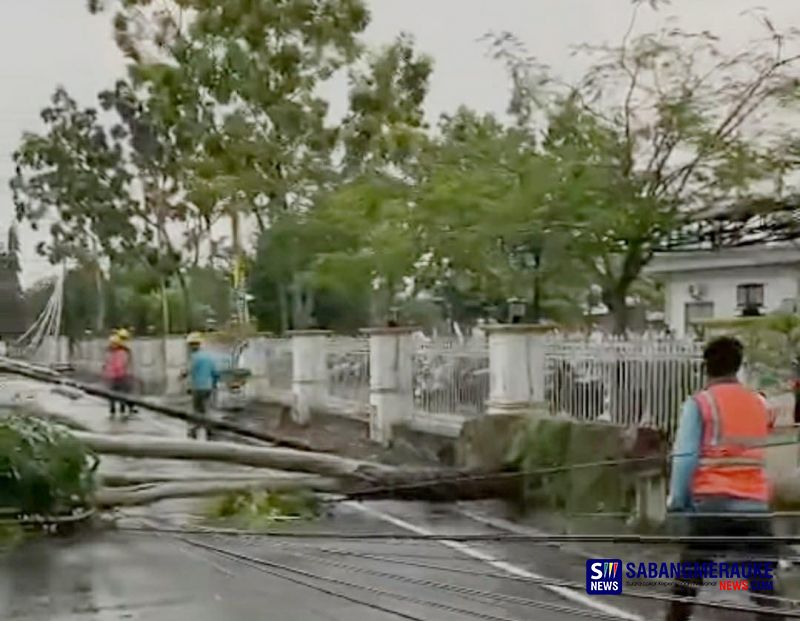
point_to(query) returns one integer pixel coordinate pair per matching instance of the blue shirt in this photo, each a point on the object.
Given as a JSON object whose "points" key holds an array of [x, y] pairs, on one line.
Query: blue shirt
{"points": [[203, 373], [685, 457]]}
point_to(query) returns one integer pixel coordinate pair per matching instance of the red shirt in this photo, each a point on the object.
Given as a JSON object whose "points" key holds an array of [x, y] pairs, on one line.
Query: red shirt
{"points": [[117, 364]]}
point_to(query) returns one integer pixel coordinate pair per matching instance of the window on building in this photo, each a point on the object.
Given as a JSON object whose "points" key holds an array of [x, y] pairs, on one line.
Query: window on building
{"points": [[696, 311], [750, 298]]}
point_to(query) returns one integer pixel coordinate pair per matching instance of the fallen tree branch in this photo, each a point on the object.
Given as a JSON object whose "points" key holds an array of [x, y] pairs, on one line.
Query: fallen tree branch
{"points": [[51, 417], [148, 494]]}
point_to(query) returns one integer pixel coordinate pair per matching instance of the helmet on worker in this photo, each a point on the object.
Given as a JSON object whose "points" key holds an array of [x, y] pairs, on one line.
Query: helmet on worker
{"points": [[194, 340], [114, 340], [123, 334]]}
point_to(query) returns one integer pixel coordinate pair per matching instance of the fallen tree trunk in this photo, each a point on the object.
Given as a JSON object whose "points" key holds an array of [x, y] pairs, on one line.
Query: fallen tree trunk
{"points": [[228, 452], [359, 479], [139, 479], [148, 494]]}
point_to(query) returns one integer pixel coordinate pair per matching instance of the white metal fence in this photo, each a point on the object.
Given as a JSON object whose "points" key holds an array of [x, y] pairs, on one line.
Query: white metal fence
{"points": [[634, 383], [348, 369], [451, 378]]}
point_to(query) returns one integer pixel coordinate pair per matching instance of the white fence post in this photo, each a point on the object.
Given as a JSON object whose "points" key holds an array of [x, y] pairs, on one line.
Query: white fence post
{"points": [[391, 381], [309, 372], [254, 359], [538, 339], [177, 359], [517, 367]]}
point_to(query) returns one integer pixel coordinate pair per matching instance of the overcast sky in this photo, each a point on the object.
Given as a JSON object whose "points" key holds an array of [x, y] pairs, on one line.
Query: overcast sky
{"points": [[44, 43]]}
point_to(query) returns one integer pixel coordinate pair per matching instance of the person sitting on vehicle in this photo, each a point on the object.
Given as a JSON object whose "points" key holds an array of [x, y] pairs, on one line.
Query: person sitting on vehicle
{"points": [[116, 372], [203, 377]]}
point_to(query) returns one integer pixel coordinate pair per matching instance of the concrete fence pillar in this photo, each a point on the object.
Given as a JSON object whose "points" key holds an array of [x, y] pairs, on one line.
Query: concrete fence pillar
{"points": [[177, 359], [390, 379], [309, 372], [255, 359], [517, 367]]}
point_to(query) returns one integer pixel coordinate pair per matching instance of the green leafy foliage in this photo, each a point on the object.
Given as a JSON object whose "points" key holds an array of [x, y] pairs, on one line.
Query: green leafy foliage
{"points": [[259, 509], [221, 116], [131, 297], [663, 129], [75, 173], [772, 344], [44, 471]]}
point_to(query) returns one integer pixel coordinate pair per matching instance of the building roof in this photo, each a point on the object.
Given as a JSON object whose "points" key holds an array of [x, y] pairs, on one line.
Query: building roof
{"points": [[725, 258]]}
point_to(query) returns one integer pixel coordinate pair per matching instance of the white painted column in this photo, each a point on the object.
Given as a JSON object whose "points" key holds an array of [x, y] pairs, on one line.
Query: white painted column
{"points": [[255, 359], [390, 379], [517, 367], [309, 372], [176, 361]]}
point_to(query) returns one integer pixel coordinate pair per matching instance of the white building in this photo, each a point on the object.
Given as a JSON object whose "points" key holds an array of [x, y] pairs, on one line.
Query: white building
{"points": [[723, 284]]}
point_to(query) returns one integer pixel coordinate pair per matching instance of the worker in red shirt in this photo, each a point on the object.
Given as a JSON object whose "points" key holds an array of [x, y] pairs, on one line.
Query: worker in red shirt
{"points": [[117, 373]]}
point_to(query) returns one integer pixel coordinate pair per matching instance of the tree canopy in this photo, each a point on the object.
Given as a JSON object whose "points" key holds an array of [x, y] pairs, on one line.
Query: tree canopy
{"points": [[563, 200]]}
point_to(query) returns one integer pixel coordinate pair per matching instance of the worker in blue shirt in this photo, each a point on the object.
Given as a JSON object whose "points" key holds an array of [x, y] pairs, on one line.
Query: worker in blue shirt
{"points": [[203, 377]]}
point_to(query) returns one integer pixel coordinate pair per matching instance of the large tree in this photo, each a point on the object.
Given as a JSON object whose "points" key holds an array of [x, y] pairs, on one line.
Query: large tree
{"points": [[478, 210], [367, 216], [112, 189], [248, 74], [662, 128]]}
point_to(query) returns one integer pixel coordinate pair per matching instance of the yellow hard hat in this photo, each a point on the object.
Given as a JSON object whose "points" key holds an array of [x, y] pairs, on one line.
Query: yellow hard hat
{"points": [[195, 338], [115, 340], [123, 334]]}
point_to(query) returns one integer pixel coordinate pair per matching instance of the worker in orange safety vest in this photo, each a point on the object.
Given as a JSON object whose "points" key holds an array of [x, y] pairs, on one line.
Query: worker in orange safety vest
{"points": [[719, 480]]}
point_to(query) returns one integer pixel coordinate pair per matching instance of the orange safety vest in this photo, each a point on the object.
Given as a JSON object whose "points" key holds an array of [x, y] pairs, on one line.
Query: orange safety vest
{"points": [[735, 430]]}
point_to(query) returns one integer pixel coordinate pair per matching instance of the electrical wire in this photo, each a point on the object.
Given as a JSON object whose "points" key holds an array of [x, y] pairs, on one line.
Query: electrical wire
{"points": [[259, 538], [261, 563], [405, 537], [499, 597], [381, 490], [541, 582], [348, 598], [538, 581], [466, 591]]}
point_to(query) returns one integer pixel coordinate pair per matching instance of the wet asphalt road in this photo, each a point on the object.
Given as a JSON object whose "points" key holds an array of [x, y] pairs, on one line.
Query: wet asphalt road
{"points": [[162, 577], [150, 576]]}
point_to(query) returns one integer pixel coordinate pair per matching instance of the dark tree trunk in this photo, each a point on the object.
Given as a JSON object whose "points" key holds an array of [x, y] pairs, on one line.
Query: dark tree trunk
{"points": [[615, 293], [283, 305], [187, 302], [615, 300], [536, 302]]}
